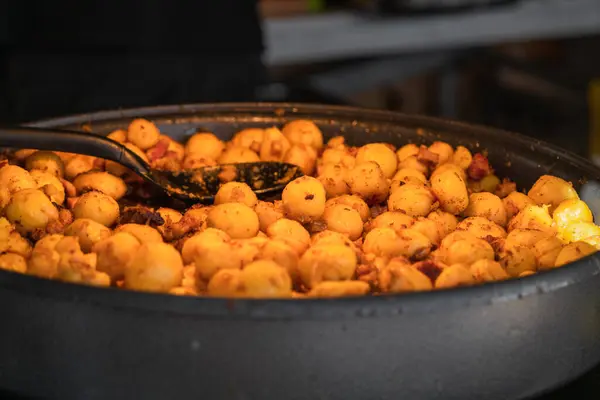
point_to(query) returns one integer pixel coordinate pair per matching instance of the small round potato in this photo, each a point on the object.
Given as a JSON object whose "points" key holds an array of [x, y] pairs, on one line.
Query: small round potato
{"points": [[339, 156], [333, 179], [409, 175], [15, 178], [462, 157], [454, 276], [303, 156], [488, 271], [533, 217], [291, 232], [205, 144], [274, 145], [226, 283], [391, 219], [525, 238], [339, 289], [428, 228], [517, 260], [385, 242], [236, 219], [13, 262], [102, 182], [546, 251], [97, 206], [571, 211], [143, 233], [143, 133], [449, 167], [115, 254], [344, 219], [399, 277], [446, 222], [380, 153], [551, 190], [46, 161], [408, 150], [30, 209], [88, 231], [236, 192], [265, 279], [488, 183], [413, 162], [468, 251], [353, 201], [156, 267], [330, 237], [451, 191], [486, 205], [283, 254], [412, 199], [302, 131], [304, 199], [444, 151], [268, 213], [50, 185], [77, 165], [250, 138], [118, 135], [482, 228], [327, 263], [368, 181], [579, 231], [573, 252], [514, 203], [238, 154]]}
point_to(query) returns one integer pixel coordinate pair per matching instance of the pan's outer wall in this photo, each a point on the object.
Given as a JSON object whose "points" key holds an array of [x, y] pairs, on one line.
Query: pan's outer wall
{"points": [[499, 341]]}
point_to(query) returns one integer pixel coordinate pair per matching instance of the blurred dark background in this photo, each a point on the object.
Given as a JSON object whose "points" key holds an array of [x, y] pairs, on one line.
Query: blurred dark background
{"points": [[523, 65]]}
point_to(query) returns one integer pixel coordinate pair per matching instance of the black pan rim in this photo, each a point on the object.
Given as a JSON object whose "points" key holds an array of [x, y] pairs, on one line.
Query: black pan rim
{"points": [[349, 307]]}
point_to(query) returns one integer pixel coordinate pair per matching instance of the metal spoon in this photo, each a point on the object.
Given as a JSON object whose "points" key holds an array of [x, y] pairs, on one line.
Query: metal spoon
{"points": [[190, 186]]}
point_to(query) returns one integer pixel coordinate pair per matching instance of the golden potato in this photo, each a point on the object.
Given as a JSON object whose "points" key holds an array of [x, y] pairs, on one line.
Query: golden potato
{"points": [[4, 198], [143, 233], [304, 199], [353, 201], [514, 203], [579, 231], [447, 168], [268, 213], [444, 151], [205, 144], [551, 190], [339, 156], [156, 267], [524, 237], [445, 222], [517, 260], [250, 138], [236, 192], [118, 135], [391, 219], [44, 260], [454, 276], [344, 219], [571, 211], [408, 150], [143, 133], [50, 185], [97, 206], [238, 154], [303, 156], [226, 283], [330, 237], [413, 199], [451, 192], [413, 162], [380, 153], [385, 242], [339, 289], [368, 181], [546, 251], [13, 262], [467, 251], [333, 179], [482, 228], [30, 209], [327, 263], [15, 178], [236, 219], [115, 254], [462, 157], [120, 170], [194, 160], [429, 228], [88, 232], [488, 271], [408, 175], [398, 277], [265, 279], [291, 232], [77, 165], [101, 182], [303, 132], [46, 161], [274, 145], [11, 241], [573, 252], [533, 217], [486, 205], [283, 254]]}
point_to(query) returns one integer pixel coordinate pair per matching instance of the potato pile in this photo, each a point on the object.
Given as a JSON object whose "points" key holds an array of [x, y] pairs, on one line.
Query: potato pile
{"points": [[363, 220]]}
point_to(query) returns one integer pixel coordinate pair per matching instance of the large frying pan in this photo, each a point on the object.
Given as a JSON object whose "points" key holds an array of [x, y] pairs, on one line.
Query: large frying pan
{"points": [[498, 341]]}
